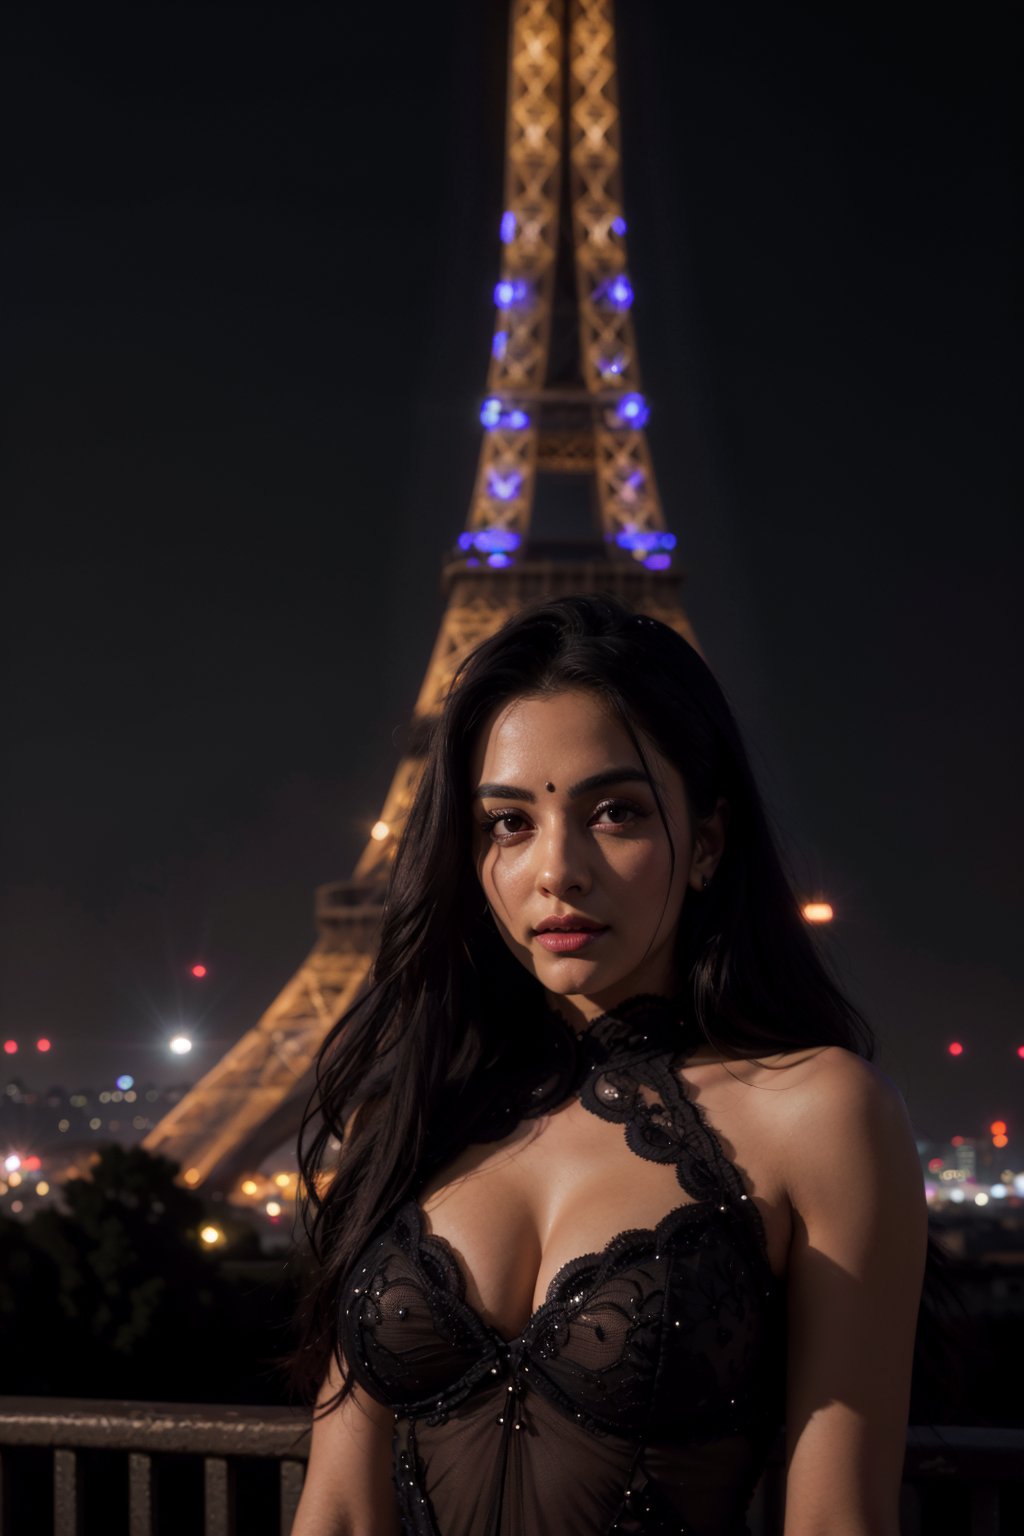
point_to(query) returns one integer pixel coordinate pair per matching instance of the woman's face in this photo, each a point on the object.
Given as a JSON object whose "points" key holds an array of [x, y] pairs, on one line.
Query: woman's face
{"points": [[572, 854]]}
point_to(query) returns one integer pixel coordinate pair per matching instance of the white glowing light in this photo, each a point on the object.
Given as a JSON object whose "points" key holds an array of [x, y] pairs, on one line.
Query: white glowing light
{"points": [[817, 912], [379, 831], [14, 1161], [180, 1045]]}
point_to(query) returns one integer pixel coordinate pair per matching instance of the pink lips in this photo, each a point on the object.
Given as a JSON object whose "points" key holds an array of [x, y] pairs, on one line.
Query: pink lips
{"points": [[566, 935]]}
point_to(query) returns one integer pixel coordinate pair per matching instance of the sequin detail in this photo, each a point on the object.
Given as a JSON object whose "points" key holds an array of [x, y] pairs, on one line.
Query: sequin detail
{"points": [[645, 1391]]}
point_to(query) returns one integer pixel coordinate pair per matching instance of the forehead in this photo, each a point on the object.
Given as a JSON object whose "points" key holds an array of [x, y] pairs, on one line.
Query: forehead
{"points": [[571, 732]]}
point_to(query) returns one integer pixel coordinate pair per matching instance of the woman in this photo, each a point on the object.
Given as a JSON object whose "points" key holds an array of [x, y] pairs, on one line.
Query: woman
{"points": [[619, 1191]]}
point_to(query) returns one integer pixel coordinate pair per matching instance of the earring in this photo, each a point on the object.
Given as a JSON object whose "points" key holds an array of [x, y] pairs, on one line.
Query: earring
{"points": [[704, 882]]}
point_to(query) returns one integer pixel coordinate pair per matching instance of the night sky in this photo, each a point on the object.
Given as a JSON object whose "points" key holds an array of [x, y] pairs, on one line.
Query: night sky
{"points": [[247, 262]]}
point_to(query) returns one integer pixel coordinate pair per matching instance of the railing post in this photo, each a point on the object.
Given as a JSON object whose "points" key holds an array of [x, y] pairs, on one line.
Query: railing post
{"points": [[293, 1475], [140, 1494], [67, 1520], [218, 1496], [985, 1510], [910, 1510]]}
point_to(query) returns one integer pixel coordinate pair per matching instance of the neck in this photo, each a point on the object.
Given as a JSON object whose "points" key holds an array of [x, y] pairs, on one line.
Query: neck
{"points": [[580, 1010]]}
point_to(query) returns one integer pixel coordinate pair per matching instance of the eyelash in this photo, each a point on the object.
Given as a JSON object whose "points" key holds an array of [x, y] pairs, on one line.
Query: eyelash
{"points": [[493, 817]]}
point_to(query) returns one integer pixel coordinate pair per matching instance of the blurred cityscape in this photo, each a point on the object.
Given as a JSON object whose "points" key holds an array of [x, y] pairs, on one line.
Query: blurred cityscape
{"points": [[48, 1136]]}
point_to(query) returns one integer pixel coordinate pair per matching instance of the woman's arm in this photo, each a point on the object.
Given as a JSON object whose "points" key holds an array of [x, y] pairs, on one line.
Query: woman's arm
{"points": [[855, 1272], [348, 1489]]}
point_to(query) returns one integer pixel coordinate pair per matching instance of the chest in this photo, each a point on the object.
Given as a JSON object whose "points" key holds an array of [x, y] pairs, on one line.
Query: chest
{"points": [[567, 1184]]}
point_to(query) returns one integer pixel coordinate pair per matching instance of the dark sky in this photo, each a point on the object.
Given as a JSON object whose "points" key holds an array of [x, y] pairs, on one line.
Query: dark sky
{"points": [[248, 254]]}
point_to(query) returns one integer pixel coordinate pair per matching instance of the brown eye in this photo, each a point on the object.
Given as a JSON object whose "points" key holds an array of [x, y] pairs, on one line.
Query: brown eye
{"points": [[619, 813], [502, 825]]}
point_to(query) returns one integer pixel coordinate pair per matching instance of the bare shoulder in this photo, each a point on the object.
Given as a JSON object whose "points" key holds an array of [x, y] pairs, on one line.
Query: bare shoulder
{"points": [[822, 1076], [830, 1077], [840, 1108]]}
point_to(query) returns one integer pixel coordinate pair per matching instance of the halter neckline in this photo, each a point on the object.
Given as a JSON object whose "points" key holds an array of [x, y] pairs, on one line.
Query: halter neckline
{"points": [[646, 1024]]}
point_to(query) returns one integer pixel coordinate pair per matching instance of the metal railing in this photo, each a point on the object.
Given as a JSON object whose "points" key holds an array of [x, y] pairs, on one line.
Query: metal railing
{"points": [[985, 1467]]}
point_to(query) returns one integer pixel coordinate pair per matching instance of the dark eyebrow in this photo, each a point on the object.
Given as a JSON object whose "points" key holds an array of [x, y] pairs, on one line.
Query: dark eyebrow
{"points": [[596, 781]]}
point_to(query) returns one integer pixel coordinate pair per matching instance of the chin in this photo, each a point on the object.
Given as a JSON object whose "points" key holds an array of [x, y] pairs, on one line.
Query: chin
{"points": [[569, 978]]}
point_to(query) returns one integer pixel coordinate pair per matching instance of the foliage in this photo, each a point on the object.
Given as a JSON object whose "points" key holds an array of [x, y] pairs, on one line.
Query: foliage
{"points": [[114, 1295]]}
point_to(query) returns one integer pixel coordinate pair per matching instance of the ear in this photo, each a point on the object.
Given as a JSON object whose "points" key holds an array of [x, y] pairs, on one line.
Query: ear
{"points": [[709, 845]]}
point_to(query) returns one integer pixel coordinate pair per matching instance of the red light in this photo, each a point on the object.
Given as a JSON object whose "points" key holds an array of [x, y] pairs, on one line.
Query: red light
{"points": [[935, 1164], [956, 1049], [42, 1045], [957, 1141], [10, 1046], [1020, 1052], [998, 1127], [31, 1163], [199, 971]]}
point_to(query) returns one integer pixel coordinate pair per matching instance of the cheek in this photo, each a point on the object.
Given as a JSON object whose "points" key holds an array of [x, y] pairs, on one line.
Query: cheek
{"points": [[504, 873]]}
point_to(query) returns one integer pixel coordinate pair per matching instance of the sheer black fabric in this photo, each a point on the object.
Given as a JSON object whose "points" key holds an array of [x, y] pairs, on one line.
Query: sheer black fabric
{"points": [[645, 1391]]}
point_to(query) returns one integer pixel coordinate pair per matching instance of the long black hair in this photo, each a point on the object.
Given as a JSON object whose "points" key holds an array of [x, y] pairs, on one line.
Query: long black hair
{"points": [[402, 1078]]}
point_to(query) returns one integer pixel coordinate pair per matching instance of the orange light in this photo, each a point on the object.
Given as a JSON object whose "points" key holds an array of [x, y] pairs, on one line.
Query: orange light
{"points": [[379, 831], [956, 1049], [1000, 1141], [199, 971], [817, 912], [42, 1045], [998, 1127]]}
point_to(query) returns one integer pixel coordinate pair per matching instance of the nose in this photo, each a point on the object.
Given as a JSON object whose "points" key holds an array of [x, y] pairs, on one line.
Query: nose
{"points": [[562, 867]]}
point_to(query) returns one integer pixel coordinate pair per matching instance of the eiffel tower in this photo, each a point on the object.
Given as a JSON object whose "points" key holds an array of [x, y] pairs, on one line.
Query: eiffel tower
{"points": [[565, 500]]}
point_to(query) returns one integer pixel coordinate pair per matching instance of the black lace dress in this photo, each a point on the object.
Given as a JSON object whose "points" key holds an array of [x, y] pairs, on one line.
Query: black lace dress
{"points": [[645, 1391]]}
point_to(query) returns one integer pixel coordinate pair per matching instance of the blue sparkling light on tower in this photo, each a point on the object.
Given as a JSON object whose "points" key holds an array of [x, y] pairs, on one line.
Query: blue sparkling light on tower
{"points": [[504, 487], [648, 545], [511, 291], [618, 225], [649, 540], [508, 227], [499, 344], [497, 545], [612, 367], [632, 410], [494, 413], [616, 291]]}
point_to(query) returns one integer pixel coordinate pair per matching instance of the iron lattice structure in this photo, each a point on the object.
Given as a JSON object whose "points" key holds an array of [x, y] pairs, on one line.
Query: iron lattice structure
{"points": [[564, 411]]}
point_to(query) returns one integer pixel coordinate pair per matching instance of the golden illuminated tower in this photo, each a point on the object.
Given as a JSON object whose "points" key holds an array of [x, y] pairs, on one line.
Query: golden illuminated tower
{"points": [[565, 501]]}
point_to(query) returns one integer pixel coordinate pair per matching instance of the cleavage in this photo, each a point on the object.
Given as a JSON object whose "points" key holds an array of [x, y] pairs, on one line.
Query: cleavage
{"points": [[515, 1213]]}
